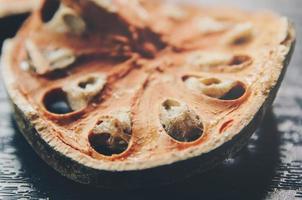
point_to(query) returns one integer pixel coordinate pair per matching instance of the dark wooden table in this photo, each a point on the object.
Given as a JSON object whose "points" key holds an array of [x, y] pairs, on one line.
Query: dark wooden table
{"points": [[270, 167]]}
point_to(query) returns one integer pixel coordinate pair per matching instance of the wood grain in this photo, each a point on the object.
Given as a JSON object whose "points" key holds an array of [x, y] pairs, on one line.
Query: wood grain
{"points": [[270, 167]]}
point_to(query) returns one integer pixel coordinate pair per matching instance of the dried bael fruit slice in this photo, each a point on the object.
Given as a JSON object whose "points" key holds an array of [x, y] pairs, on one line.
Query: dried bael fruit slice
{"points": [[146, 95]]}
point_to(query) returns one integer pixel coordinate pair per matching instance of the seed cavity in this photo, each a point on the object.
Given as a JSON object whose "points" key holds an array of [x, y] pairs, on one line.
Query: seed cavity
{"points": [[55, 101], [81, 91], [216, 88], [66, 20], [208, 61], [240, 60], [180, 122], [43, 61], [240, 34], [112, 134], [234, 93]]}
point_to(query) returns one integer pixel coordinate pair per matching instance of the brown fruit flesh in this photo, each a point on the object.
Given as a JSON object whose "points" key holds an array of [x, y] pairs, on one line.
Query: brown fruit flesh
{"points": [[155, 76]]}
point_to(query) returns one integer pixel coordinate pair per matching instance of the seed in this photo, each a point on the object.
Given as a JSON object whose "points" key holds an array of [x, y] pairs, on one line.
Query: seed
{"points": [[80, 92], [180, 122]]}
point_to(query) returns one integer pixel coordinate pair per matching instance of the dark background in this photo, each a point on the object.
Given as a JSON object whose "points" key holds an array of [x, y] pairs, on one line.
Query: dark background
{"points": [[270, 167]]}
